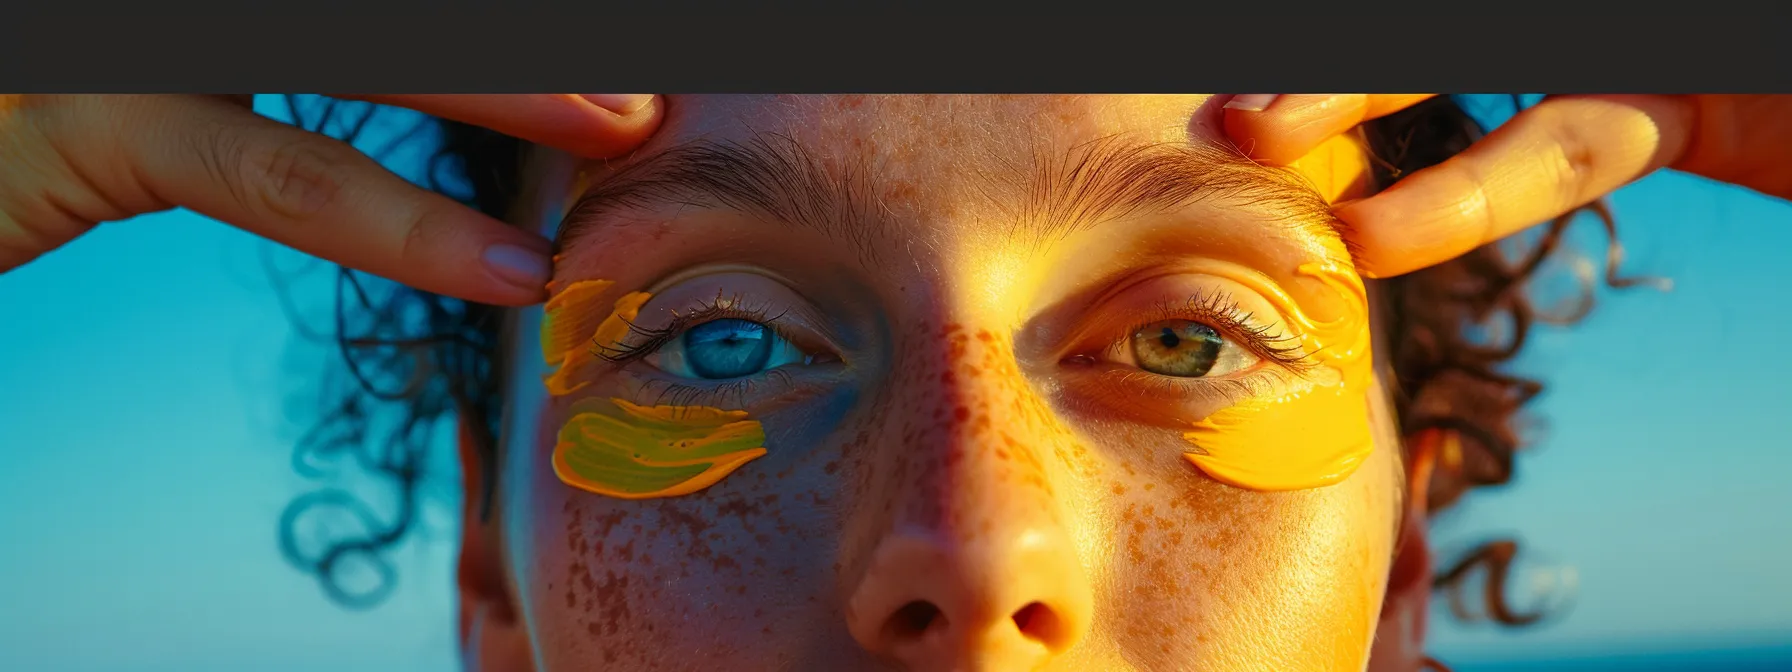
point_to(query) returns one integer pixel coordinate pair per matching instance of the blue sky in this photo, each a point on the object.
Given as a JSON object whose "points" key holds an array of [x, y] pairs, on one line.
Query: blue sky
{"points": [[148, 370]]}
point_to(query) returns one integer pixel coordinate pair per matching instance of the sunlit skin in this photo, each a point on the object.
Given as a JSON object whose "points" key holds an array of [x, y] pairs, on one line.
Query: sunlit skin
{"points": [[1316, 432], [967, 438]]}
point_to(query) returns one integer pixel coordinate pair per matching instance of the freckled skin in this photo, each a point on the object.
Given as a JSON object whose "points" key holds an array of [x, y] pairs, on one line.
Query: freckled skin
{"points": [[953, 439]]}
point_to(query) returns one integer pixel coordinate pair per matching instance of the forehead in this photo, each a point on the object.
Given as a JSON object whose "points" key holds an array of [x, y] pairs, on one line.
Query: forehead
{"points": [[952, 173], [973, 166], [926, 132]]}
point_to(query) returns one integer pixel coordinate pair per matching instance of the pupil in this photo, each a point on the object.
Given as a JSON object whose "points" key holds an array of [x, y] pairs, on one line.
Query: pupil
{"points": [[1170, 340]]}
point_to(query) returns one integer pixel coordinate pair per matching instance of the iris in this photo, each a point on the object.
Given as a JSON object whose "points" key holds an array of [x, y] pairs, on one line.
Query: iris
{"points": [[1180, 348], [728, 348]]}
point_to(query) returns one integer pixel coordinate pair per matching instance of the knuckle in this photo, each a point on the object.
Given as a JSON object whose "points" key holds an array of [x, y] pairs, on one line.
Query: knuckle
{"points": [[295, 177], [419, 236], [1567, 163]]}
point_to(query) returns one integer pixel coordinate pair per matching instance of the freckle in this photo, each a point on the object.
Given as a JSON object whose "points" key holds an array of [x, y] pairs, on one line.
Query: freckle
{"points": [[1150, 486], [830, 468], [961, 413], [1119, 489]]}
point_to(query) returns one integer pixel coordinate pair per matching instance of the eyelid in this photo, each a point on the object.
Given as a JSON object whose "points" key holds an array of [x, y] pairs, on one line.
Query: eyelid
{"points": [[642, 341], [691, 296]]}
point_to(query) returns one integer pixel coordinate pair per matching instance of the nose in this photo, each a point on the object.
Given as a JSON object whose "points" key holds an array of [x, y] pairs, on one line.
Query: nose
{"points": [[974, 568], [1005, 600]]}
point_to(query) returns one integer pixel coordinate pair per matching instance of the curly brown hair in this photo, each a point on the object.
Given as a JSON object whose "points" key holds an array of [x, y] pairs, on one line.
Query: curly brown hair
{"points": [[422, 357]]}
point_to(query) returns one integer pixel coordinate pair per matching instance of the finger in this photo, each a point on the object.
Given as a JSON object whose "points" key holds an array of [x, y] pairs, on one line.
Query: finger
{"points": [[1277, 130], [313, 193], [1742, 139], [1546, 161], [594, 126]]}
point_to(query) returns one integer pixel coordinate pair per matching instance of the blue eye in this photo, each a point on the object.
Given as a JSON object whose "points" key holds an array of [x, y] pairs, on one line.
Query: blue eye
{"points": [[726, 348]]}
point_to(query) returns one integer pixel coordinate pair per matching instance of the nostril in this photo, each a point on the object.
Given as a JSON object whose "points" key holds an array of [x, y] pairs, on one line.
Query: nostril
{"points": [[913, 619], [1039, 623]]}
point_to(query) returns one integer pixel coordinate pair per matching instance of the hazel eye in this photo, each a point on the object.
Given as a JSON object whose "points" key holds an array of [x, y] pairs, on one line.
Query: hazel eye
{"points": [[1187, 349], [726, 348]]}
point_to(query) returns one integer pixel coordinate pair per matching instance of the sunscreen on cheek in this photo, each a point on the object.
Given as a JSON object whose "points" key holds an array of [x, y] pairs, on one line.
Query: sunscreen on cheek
{"points": [[1316, 436], [618, 449]]}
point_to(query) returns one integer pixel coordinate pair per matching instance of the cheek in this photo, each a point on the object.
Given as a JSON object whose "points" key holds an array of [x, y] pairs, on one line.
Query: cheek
{"points": [[1237, 579], [603, 579]]}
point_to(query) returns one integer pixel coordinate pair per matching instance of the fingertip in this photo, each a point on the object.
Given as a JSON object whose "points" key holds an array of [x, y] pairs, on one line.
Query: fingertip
{"points": [[521, 271], [1252, 102], [618, 132], [623, 104], [1246, 127]]}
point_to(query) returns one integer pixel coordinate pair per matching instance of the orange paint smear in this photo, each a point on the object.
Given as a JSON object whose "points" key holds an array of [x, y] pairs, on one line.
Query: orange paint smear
{"points": [[1315, 436], [618, 449], [567, 321], [571, 332]]}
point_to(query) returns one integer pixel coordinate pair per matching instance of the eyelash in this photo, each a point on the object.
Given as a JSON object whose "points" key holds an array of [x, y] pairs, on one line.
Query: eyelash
{"points": [[1216, 310], [651, 340], [1221, 312]]}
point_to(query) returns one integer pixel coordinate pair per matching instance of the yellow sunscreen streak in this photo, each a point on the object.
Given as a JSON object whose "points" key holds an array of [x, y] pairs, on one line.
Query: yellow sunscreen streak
{"points": [[1338, 168], [1316, 435], [618, 449], [571, 334]]}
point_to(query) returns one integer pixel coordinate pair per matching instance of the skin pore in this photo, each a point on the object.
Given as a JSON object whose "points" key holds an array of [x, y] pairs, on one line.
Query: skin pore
{"points": [[948, 306]]}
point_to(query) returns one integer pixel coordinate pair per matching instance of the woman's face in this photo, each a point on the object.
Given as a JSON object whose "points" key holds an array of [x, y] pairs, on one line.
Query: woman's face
{"points": [[960, 383]]}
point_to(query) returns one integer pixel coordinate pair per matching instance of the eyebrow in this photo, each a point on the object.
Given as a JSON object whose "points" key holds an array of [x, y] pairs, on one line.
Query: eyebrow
{"points": [[1057, 195]]}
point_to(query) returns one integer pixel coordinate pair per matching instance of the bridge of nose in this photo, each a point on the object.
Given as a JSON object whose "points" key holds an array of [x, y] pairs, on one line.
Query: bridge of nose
{"points": [[970, 556]]}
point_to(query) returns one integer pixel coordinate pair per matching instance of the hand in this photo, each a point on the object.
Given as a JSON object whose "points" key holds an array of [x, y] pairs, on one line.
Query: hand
{"points": [[68, 163], [1548, 160]]}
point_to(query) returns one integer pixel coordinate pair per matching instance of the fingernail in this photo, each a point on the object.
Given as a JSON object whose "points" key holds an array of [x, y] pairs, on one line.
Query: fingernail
{"points": [[621, 103], [519, 266], [1251, 102]]}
